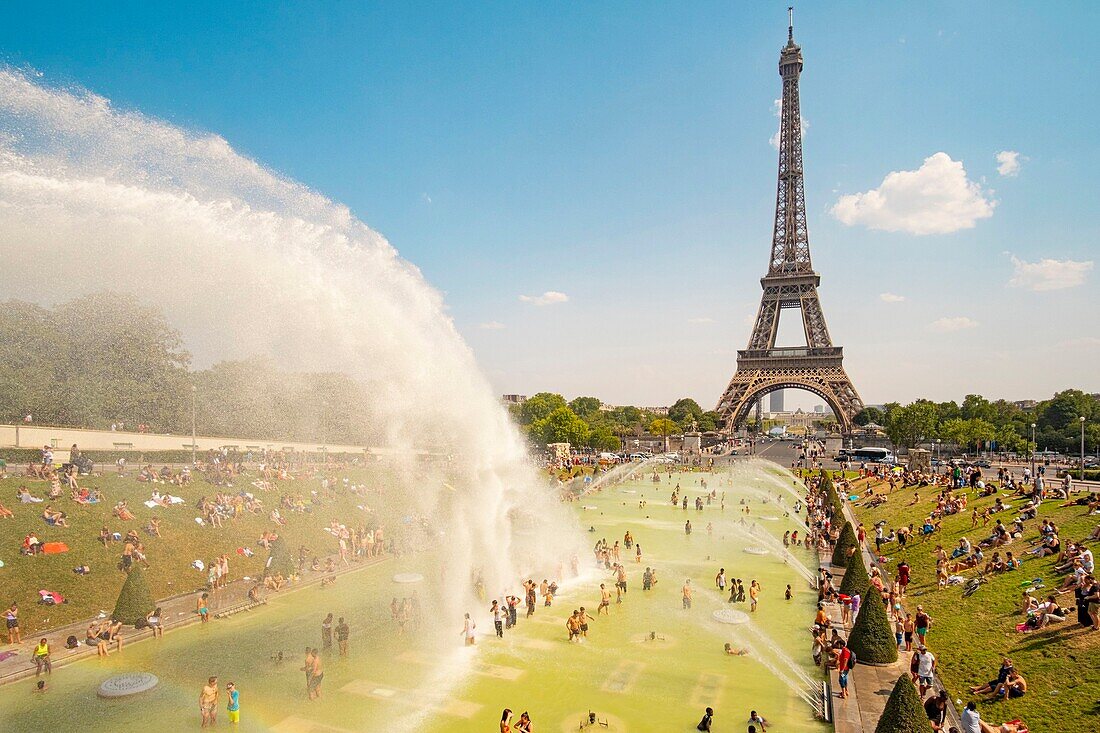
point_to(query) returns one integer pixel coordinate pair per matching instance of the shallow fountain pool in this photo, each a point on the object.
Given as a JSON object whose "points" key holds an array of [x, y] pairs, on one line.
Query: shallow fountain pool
{"points": [[648, 666]]}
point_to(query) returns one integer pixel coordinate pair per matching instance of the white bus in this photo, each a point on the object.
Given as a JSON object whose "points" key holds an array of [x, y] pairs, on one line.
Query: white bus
{"points": [[869, 455]]}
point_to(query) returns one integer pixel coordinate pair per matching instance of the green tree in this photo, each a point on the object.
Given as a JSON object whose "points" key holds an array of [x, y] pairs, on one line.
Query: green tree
{"points": [[561, 426], [976, 407], [663, 427], [585, 407], [279, 560], [602, 439], [1064, 408], [844, 543], [709, 421], [912, 424], [904, 712], [855, 577], [539, 406], [872, 637], [135, 601], [981, 433], [684, 411], [1009, 440], [869, 415]]}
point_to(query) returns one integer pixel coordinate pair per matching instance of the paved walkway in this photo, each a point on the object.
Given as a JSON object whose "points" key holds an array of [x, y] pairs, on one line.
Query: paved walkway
{"points": [[177, 612], [869, 686]]}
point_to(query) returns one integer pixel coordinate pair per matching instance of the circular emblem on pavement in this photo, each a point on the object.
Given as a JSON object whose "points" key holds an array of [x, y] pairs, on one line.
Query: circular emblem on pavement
{"points": [[730, 616], [131, 683]]}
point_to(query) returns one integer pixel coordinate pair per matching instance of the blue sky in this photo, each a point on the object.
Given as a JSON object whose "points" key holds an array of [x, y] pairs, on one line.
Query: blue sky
{"points": [[619, 154]]}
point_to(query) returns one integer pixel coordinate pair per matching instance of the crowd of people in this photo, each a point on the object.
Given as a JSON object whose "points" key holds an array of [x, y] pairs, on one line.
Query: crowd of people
{"points": [[954, 487]]}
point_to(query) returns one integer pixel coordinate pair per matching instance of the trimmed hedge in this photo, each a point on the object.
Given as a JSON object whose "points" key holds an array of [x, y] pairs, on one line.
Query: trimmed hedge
{"points": [[904, 712], [135, 600], [845, 542], [872, 637], [855, 579], [280, 561]]}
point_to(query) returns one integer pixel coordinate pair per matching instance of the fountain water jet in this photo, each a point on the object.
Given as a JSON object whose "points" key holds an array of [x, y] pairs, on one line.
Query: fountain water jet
{"points": [[247, 263]]}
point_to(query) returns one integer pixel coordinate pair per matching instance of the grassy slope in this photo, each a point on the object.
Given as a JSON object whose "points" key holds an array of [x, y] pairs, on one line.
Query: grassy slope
{"points": [[969, 635], [182, 541]]}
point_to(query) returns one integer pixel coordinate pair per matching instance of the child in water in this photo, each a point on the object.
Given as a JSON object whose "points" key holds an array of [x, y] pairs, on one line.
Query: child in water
{"points": [[735, 652]]}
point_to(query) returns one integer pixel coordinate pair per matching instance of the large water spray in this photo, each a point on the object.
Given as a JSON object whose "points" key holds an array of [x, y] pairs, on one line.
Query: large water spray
{"points": [[248, 263]]}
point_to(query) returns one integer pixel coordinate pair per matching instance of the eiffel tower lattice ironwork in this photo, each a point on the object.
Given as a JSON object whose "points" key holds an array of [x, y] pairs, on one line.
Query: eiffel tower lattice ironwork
{"points": [[790, 283]]}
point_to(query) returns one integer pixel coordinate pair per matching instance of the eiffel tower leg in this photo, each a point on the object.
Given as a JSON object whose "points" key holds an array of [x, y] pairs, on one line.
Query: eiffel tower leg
{"points": [[767, 322], [813, 320]]}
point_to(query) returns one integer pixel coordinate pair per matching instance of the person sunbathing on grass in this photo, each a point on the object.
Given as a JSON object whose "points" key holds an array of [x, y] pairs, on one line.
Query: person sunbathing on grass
{"points": [[1015, 686], [5, 513], [969, 562], [1051, 545], [54, 517]]}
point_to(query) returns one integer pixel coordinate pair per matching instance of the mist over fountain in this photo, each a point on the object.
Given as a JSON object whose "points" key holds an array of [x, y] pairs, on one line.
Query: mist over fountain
{"points": [[248, 263]]}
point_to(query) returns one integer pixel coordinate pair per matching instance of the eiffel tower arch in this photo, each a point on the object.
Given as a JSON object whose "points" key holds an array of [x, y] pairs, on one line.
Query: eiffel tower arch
{"points": [[791, 282]]}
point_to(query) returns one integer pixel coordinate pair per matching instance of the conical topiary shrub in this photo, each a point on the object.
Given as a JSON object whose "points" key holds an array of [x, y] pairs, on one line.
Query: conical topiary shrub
{"points": [[872, 638], [845, 542], [135, 601], [855, 577], [279, 562], [904, 712]]}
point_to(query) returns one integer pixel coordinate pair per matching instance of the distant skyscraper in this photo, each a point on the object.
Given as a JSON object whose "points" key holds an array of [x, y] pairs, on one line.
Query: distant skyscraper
{"points": [[776, 401], [819, 408]]}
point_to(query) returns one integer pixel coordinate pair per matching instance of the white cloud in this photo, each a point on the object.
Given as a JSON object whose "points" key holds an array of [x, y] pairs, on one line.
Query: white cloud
{"points": [[891, 298], [701, 319], [491, 326], [1008, 162], [425, 198], [1048, 274], [937, 198], [956, 323], [777, 109], [550, 297]]}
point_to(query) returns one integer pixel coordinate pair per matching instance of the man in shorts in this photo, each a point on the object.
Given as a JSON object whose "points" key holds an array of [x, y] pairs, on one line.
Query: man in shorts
{"points": [[233, 709], [843, 667], [208, 703], [687, 594], [926, 667], [605, 601], [316, 676]]}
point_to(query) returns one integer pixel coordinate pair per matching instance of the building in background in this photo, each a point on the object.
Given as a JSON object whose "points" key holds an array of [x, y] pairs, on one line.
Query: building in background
{"points": [[513, 399], [776, 401]]}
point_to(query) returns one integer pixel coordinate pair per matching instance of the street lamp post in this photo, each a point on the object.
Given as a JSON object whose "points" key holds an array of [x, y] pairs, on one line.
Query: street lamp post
{"points": [[936, 449], [1082, 447], [193, 390], [1031, 448]]}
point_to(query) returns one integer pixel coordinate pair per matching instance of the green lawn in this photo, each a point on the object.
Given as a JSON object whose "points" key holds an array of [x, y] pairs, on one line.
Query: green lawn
{"points": [[970, 635], [182, 540]]}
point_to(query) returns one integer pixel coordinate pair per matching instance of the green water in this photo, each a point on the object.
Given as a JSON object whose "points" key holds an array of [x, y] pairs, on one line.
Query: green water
{"points": [[431, 683]]}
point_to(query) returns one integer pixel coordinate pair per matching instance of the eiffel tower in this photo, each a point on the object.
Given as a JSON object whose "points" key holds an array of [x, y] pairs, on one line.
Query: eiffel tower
{"points": [[790, 283]]}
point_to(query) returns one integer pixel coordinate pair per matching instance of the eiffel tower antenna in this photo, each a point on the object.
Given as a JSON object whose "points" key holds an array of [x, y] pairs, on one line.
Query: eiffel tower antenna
{"points": [[790, 282]]}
